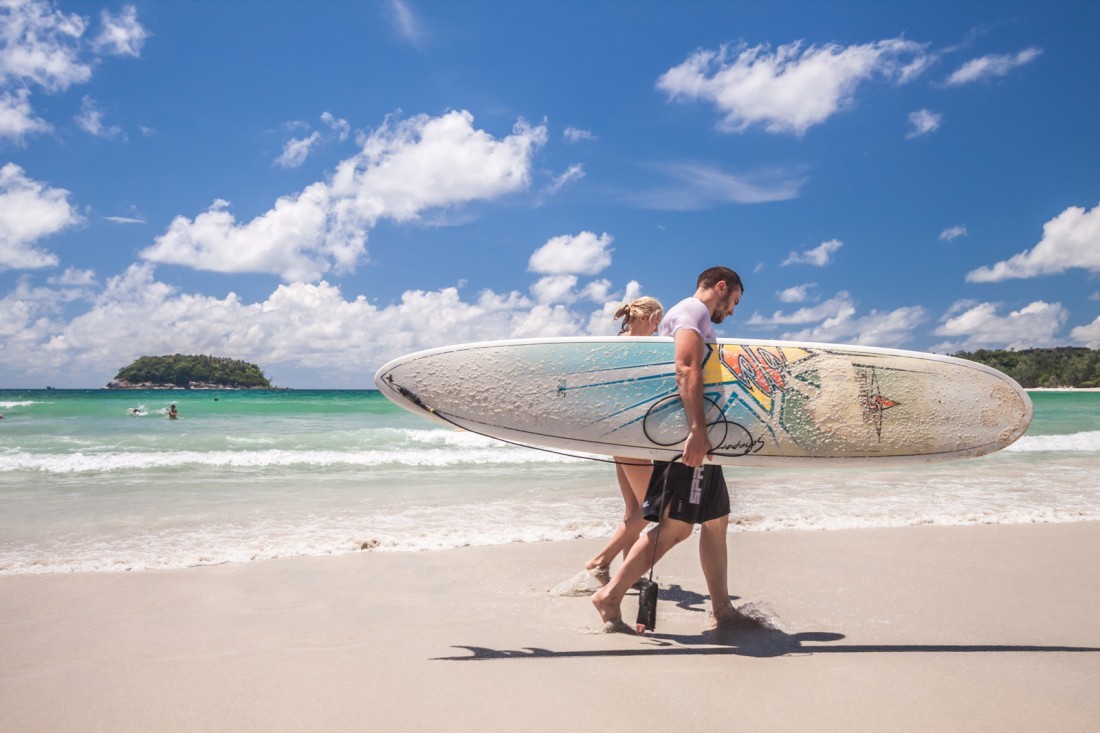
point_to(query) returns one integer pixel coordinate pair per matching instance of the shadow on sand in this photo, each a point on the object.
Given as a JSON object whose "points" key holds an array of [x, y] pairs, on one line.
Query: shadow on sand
{"points": [[748, 642], [760, 644]]}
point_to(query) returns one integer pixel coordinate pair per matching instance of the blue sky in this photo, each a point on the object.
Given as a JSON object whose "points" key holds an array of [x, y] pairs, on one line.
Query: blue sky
{"points": [[320, 187]]}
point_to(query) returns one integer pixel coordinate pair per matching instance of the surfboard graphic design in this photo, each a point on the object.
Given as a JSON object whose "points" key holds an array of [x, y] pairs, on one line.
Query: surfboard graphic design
{"points": [[767, 403]]}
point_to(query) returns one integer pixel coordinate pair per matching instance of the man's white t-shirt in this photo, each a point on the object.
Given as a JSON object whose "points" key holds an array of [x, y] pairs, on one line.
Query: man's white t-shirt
{"points": [[689, 313]]}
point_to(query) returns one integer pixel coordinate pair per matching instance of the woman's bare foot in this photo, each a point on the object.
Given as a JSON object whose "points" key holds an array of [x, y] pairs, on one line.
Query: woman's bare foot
{"points": [[601, 573], [608, 608], [584, 583], [617, 627]]}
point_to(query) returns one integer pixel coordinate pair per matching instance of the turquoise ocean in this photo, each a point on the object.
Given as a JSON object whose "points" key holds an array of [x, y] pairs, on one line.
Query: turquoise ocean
{"points": [[86, 486]]}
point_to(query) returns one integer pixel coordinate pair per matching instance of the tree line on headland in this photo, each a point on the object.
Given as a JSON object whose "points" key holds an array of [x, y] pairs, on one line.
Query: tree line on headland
{"points": [[1063, 366], [180, 371]]}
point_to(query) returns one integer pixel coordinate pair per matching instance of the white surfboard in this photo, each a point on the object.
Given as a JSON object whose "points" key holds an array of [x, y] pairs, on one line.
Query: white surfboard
{"points": [[768, 403]]}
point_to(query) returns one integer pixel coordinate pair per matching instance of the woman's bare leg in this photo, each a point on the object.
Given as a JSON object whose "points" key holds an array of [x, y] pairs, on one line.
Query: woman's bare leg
{"points": [[633, 476]]}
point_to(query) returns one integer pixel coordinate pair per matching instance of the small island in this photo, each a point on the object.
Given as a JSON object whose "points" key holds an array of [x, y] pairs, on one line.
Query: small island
{"points": [[180, 371]]}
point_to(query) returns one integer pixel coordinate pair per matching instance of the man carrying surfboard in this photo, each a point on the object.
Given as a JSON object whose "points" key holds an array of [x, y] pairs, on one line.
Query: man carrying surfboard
{"points": [[683, 494]]}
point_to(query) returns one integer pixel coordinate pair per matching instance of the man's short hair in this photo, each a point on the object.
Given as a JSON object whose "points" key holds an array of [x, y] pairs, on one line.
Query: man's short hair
{"points": [[715, 275]]}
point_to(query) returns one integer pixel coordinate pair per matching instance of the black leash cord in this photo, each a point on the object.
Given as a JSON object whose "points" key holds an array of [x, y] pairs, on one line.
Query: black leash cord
{"points": [[663, 511]]}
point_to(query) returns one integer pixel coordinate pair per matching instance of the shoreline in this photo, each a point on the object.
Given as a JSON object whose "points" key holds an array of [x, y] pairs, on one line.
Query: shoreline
{"points": [[983, 626], [1062, 389]]}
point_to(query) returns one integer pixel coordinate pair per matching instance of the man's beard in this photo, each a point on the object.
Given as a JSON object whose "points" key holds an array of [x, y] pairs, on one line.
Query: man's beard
{"points": [[719, 313]]}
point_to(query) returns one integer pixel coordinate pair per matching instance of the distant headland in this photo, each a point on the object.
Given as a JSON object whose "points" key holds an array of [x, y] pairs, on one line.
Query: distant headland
{"points": [[181, 371], [1063, 366]]}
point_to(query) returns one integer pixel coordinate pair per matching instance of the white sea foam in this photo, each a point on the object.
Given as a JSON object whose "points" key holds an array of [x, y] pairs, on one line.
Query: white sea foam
{"points": [[430, 528], [1087, 442], [80, 462], [20, 403]]}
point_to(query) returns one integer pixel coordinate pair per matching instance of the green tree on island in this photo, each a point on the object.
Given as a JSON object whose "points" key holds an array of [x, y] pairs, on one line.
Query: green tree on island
{"points": [[181, 370]]}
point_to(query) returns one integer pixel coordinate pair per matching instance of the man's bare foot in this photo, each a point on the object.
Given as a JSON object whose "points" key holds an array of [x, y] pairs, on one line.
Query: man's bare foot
{"points": [[747, 617], [618, 626]]}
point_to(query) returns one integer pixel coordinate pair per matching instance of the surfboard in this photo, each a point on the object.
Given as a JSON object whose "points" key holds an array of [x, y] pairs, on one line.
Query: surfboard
{"points": [[768, 403]]}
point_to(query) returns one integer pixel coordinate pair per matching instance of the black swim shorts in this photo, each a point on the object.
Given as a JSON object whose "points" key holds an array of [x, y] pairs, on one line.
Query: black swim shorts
{"points": [[695, 495]]}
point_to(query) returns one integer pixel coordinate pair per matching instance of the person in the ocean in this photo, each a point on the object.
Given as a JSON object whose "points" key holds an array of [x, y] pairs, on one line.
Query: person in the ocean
{"points": [[640, 318], [172, 414], [696, 493]]}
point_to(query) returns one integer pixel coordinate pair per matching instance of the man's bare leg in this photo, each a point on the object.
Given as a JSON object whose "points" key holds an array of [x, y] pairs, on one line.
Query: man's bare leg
{"points": [[714, 561], [649, 548]]}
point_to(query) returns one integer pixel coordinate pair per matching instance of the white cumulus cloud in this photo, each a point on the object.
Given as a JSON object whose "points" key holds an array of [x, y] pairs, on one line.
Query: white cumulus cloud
{"points": [[819, 256], [573, 173], [581, 254], [338, 125], [573, 134], [922, 122], [952, 233], [403, 169], [973, 326], [44, 47], [296, 150], [73, 277], [1088, 335], [891, 329], [992, 65], [339, 339], [41, 45], [796, 293], [837, 320], [30, 211], [121, 34], [90, 120], [792, 88], [555, 289], [1071, 239], [17, 119], [840, 306]]}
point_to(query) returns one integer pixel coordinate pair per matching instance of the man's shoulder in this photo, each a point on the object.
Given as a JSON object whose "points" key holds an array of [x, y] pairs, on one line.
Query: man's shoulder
{"points": [[689, 313], [690, 305]]}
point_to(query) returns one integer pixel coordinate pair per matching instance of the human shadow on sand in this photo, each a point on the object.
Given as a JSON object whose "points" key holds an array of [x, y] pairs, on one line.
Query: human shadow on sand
{"points": [[747, 641], [753, 643]]}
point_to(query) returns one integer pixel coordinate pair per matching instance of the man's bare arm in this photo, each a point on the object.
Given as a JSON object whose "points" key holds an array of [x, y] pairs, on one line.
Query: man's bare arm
{"points": [[689, 379]]}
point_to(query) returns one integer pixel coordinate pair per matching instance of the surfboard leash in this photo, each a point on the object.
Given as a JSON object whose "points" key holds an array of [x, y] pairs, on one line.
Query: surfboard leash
{"points": [[647, 595], [648, 590]]}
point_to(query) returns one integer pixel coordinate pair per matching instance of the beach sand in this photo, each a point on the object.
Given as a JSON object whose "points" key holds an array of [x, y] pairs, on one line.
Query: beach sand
{"points": [[991, 628]]}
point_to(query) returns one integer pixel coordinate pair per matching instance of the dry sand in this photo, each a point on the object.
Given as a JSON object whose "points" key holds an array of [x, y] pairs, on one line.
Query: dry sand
{"points": [[990, 628]]}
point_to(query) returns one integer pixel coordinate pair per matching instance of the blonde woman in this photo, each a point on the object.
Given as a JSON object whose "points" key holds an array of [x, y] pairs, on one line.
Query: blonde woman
{"points": [[640, 318]]}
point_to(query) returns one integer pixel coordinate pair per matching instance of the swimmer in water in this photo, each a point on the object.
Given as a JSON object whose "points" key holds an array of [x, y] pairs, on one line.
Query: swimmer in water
{"points": [[172, 414]]}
